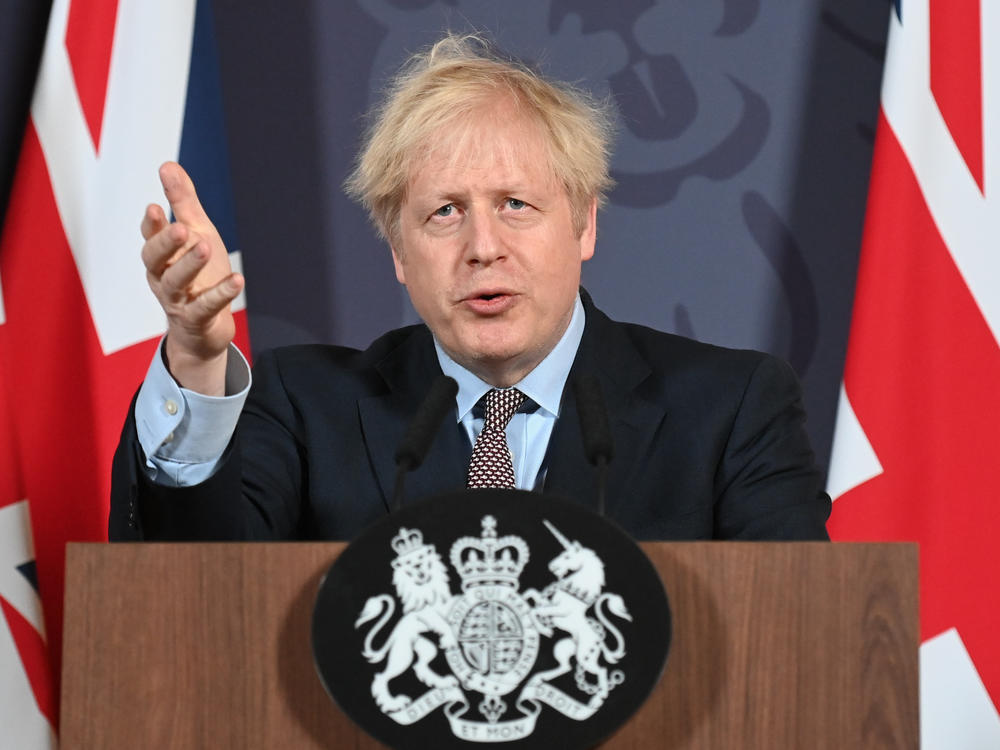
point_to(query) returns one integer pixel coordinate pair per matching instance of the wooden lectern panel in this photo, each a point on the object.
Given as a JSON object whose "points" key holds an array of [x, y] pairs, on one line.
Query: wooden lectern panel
{"points": [[776, 645]]}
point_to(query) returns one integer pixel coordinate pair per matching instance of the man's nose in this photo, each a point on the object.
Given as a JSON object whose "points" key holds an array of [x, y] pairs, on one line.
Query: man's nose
{"points": [[484, 243]]}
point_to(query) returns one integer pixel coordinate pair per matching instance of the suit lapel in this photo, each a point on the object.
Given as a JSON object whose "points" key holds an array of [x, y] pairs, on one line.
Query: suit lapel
{"points": [[606, 353], [408, 371]]}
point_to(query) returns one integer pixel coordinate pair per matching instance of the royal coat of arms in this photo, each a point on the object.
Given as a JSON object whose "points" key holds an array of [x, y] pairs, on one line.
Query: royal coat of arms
{"points": [[492, 634]]}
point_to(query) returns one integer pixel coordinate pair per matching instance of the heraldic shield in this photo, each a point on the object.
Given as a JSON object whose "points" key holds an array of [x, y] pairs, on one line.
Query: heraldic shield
{"points": [[494, 616]]}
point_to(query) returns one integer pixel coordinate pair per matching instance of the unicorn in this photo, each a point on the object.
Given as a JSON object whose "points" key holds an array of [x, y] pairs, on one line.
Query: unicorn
{"points": [[564, 605]]}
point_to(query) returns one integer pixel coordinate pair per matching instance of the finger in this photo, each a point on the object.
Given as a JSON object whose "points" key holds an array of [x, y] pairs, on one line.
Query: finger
{"points": [[152, 221], [180, 193], [214, 300], [166, 246], [176, 280]]}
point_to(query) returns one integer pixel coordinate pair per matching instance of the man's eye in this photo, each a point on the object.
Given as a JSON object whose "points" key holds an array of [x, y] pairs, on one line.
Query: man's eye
{"points": [[447, 210], [516, 204]]}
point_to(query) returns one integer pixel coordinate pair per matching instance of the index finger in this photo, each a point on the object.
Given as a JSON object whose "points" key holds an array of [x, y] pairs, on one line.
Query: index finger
{"points": [[152, 221], [181, 195]]}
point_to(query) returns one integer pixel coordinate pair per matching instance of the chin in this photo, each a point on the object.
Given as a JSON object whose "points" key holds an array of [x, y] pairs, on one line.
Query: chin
{"points": [[499, 348], [493, 356], [479, 355]]}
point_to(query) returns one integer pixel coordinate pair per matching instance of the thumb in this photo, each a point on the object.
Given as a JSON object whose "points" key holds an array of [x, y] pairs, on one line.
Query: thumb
{"points": [[180, 193]]}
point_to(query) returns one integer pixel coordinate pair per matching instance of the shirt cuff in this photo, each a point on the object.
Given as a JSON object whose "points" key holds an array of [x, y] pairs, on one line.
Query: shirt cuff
{"points": [[183, 433]]}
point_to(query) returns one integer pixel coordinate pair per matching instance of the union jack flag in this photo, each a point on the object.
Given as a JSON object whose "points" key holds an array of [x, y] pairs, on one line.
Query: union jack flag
{"points": [[124, 85], [917, 446]]}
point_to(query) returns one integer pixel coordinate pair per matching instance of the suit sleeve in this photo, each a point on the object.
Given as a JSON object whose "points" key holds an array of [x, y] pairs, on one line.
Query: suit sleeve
{"points": [[254, 493], [768, 484]]}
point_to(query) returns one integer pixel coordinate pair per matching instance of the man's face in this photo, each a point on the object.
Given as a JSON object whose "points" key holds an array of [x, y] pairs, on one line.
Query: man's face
{"points": [[487, 249]]}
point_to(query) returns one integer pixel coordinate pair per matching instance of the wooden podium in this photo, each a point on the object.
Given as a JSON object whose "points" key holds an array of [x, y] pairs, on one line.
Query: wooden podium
{"points": [[775, 645]]}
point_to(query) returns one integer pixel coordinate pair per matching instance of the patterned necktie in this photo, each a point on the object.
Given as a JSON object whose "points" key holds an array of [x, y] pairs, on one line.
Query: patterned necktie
{"points": [[491, 464]]}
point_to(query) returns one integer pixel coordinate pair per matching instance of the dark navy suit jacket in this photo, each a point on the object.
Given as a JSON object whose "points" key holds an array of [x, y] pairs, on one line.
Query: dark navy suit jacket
{"points": [[709, 443]]}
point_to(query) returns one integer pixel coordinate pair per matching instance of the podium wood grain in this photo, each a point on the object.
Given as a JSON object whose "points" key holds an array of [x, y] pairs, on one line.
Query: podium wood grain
{"points": [[782, 645]]}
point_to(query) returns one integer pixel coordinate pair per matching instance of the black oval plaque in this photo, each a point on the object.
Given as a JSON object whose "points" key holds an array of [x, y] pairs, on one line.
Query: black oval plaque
{"points": [[493, 616]]}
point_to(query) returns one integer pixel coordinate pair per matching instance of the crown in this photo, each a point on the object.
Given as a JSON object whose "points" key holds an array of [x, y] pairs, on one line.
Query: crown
{"points": [[407, 541], [488, 560]]}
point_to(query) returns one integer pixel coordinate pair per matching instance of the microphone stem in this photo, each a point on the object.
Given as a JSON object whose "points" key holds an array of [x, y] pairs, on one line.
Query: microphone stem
{"points": [[602, 480], [397, 496]]}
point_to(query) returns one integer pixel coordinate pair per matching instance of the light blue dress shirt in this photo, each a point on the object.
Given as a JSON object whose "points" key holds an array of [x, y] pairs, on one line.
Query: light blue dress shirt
{"points": [[184, 433]]}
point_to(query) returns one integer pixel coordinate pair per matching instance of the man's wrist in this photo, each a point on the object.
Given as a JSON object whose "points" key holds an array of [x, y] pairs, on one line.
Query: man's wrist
{"points": [[204, 375]]}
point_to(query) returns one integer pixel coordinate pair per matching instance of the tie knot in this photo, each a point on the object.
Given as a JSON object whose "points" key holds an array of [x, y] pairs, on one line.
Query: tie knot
{"points": [[500, 407]]}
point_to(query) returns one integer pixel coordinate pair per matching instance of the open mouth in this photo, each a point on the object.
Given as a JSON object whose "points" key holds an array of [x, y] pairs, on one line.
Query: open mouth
{"points": [[490, 303]]}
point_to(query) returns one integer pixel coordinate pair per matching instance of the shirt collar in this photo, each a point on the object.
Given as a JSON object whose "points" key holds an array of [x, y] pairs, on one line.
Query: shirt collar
{"points": [[543, 385]]}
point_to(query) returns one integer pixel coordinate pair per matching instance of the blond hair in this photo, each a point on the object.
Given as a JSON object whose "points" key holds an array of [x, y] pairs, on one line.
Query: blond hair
{"points": [[456, 77]]}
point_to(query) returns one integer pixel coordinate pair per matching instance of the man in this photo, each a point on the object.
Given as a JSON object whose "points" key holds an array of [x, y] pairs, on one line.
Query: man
{"points": [[485, 180]]}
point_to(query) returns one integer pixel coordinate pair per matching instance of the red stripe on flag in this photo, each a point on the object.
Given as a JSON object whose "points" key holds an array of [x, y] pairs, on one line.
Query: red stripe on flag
{"points": [[90, 34], [242, 337], [10, 474], [31, 648], [956, 76], [922, 375]]}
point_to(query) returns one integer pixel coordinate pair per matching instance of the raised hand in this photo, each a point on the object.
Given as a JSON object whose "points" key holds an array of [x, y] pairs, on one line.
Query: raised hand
{"points": [[188, 269]]}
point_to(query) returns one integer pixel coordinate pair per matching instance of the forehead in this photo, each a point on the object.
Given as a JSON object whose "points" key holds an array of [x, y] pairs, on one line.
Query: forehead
{"points": [[494, 145]]}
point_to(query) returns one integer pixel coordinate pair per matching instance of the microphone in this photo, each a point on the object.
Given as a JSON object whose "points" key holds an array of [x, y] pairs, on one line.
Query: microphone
{"points": [[597, 444], [420, 433]]}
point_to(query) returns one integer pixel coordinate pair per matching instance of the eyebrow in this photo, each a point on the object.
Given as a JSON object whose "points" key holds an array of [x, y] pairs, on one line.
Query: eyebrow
{"points": [[460, 196]]}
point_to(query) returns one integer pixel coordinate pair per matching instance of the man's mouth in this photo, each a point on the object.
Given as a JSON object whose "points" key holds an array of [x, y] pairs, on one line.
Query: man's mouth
{"points": [[490, 302], [489, 293]]}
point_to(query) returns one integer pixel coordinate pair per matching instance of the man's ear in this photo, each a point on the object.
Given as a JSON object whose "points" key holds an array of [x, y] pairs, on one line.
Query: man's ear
{"points": [[398, 263], [588, 237]]}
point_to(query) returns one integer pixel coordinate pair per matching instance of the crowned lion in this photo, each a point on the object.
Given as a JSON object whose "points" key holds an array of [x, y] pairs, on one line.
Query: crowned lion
{"points": [[421, 581]]}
